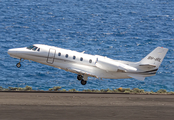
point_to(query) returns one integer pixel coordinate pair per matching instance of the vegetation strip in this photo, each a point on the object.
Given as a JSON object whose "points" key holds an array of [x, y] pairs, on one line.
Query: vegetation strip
{"points": [[59, 89]]}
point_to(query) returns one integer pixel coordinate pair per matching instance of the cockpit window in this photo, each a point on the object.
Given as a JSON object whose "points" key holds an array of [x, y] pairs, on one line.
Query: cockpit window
{"points": [[33, 48], [30, 47]]}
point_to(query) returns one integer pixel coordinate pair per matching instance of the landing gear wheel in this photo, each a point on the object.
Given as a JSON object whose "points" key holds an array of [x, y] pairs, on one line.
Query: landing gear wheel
{"points": [[18, 65], [79, 77], [83, 82]]}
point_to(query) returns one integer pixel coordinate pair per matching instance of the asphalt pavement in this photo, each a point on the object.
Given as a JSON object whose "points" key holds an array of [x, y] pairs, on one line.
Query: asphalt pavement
{"points": [[75, 106]]}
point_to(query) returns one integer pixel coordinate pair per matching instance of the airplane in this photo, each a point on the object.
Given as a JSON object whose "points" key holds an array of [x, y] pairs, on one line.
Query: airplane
{"points": [[86, 65]]}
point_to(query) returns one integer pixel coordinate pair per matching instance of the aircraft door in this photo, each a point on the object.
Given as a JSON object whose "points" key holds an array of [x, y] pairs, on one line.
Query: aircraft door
{"points": [[51, 56]]}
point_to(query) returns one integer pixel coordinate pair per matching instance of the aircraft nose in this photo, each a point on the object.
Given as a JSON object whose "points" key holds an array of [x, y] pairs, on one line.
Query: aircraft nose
{"points": [[11, 51], [20, 53], [15, 52]]}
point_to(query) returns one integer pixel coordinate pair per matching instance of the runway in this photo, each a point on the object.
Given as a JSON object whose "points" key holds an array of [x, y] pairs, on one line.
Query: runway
{"points": [[74, 106]]}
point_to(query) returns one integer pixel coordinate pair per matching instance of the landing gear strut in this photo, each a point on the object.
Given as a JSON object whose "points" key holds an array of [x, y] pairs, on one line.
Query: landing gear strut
{"points": [[19, 63], [83, 79]]}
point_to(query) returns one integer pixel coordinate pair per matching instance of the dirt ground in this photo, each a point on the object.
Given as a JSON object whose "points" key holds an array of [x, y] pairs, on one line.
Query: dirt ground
{"points": [[74, 106]]}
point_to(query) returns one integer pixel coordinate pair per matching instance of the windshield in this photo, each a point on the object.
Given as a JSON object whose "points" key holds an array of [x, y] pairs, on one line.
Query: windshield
{"points": [[33, 48], [30, 47]]}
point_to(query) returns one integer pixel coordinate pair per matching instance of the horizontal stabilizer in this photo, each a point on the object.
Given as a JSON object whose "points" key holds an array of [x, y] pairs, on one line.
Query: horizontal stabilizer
{"points": [[147, 65], [138, 77]]}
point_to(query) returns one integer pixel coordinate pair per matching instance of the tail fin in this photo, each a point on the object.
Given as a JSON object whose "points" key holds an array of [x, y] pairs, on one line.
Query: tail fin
{"points": [[150, 64], [155, 58]]}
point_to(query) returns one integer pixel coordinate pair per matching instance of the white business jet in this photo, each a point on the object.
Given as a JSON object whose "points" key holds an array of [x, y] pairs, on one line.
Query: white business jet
{"points": [[85, 65]]}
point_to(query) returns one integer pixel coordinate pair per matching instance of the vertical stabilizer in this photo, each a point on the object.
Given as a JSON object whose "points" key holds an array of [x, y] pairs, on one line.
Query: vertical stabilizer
{"points": [[154, 58]]}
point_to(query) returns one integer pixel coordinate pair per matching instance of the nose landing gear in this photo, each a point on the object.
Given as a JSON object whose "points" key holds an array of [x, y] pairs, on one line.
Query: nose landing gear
{"points": [[83, 79], [19, 63]]}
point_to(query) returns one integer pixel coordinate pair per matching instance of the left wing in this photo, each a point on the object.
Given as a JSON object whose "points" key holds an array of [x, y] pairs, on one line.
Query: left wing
{"points": [[80, 71]]}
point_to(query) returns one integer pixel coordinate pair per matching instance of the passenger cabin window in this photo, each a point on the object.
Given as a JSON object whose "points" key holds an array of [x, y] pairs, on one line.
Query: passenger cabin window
{"points": [[74, 57], [59, 54], [66, 55], [90, 61], [38, 49], [81, 59]]}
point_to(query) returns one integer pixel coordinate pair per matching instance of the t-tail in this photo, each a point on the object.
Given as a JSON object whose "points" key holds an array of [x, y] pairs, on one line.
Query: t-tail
{"points": [[149, 65]]}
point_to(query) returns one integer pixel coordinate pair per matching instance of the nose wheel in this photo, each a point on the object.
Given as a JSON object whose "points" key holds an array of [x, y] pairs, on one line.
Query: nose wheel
{"points": [[18, 65]]}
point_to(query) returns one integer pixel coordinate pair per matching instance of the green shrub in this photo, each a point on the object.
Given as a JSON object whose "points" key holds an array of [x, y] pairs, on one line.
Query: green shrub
{"points": [[95, 90], [127, 92], [57, 88], [63, 90], [102, 90], [162, 91], [1, 88], [116, 91], [137, 90], [50, 89], [127, 89], [72, 90], [13, 88], [20, 89], [10, 88], [28, 88], [171, 92], [88, 90], [151, 91], [142, 91], [109, 91]]}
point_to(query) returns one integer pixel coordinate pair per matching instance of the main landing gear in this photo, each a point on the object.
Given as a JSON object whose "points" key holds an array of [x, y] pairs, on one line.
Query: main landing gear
{"points": [[83, 79], [19, 63]]}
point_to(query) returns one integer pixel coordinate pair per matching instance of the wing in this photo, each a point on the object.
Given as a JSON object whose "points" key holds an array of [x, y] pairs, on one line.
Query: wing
{"points": [[80, 71]]}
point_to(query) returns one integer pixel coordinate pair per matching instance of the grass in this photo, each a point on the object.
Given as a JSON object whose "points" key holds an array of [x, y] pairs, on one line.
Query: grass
{"points": [[117, 90]]}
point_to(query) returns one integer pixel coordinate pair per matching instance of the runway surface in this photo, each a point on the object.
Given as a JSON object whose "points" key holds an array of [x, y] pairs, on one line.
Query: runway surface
{"points": [[64, 106]]}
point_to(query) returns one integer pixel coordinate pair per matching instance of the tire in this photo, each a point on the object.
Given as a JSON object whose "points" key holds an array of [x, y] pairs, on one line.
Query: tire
{"points": [[83, 82], [79, 77], [18, 65]]}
